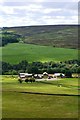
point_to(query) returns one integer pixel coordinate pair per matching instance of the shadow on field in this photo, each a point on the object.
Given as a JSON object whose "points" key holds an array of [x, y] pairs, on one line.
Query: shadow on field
{"points": [[48, 94], [39, 93]]}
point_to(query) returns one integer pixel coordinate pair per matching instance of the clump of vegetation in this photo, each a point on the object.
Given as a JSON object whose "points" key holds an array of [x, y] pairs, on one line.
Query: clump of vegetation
{"points": [[66, 67], [20, 80], [30, 80], [10, 37]]}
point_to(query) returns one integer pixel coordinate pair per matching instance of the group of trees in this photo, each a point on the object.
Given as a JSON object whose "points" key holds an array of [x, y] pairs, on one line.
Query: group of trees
{"points": [[67, 67], [32, 79], [9, 37]]}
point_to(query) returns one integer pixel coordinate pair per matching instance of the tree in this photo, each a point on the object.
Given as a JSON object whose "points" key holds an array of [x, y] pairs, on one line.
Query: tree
{"points": [[14, 72], [50, 70], [6, 67], [22, 65], [20, 80], [33, 69], [68, 73], [78, 70]]}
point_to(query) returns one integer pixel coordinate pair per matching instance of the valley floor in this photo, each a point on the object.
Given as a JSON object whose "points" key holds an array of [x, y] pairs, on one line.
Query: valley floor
{"points": [[21, 100]]}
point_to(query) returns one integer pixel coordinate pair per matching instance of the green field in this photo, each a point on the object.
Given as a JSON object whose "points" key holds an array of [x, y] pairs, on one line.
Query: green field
{"points": [[14, 53], [24, 101]]}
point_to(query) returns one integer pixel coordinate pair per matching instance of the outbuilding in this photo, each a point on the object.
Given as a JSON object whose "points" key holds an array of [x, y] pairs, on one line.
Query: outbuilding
{"points": [[59, 75]]}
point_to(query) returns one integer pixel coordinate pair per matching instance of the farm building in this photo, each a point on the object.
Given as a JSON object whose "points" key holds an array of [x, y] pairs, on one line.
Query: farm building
{"points": [[23, 76], [45, 75], [38, 76], [56, 75], [75, 75], [50, 76]]}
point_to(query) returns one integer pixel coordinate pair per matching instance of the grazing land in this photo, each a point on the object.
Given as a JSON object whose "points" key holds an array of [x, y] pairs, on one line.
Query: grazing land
{"points": [[40, 99], [16, 52]]}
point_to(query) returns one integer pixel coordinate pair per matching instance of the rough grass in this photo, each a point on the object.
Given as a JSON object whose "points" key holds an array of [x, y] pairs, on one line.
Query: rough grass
{"points": [[18, 104], [14, 53], [52, 35]]}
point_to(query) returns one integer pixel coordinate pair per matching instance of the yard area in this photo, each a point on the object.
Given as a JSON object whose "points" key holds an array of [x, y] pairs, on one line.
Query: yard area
{"points": [[42, 99]]}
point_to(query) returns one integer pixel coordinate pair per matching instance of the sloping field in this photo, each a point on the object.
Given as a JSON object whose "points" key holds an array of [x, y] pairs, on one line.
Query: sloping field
{"points": [[14, 53]]}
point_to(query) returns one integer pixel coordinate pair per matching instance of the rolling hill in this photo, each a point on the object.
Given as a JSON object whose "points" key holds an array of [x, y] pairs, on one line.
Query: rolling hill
{"points": [[50, 35]]}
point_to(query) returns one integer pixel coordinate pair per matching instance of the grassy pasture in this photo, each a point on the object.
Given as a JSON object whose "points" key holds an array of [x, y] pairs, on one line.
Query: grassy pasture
{"points": [[14, 53], [18, 104]]}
